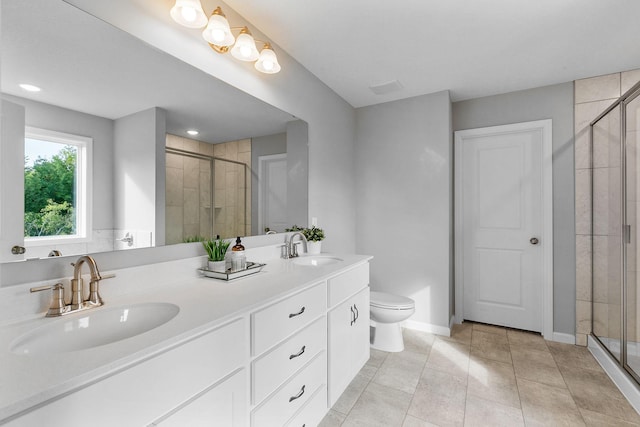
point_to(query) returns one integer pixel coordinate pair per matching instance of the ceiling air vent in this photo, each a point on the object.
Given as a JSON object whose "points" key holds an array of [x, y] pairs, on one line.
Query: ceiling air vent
{"points": [[387, 87]]}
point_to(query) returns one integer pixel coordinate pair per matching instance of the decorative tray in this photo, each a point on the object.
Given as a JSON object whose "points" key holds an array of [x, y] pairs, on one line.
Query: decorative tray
{"points": [[252, 267]]}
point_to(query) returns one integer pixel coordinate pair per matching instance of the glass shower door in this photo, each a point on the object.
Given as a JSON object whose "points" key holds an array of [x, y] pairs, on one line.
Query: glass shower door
{"points": [[607, 231], [632, 296]]}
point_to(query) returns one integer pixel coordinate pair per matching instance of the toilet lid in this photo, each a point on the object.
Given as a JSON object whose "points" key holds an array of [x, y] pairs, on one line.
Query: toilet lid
{"points": [[385, 300]]}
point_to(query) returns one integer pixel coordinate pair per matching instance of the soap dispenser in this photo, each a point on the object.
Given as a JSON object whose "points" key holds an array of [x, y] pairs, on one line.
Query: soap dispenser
{"points": [[238, 258]]}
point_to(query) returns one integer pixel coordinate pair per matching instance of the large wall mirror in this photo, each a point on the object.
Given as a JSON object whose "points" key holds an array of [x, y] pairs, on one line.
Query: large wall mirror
{"points": [[108, 160]]}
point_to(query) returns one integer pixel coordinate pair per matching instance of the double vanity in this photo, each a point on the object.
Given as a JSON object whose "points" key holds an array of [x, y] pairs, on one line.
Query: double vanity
{"points": [[170, 347]]}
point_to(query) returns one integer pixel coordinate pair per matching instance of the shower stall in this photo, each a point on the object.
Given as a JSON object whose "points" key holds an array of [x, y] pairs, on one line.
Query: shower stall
{"points": [[615, 221], [206, 196]]}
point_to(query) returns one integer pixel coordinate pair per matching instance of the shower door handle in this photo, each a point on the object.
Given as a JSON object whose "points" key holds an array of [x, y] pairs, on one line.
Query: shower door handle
{"points": [[627, 234]]}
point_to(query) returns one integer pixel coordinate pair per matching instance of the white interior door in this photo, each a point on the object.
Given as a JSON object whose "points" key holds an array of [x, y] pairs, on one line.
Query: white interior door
{"points": [[272, 196], [502, 230]]}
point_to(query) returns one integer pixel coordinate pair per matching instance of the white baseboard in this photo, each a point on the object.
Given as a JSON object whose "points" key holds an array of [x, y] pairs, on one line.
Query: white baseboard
{"points": [[563, 338], [621, 379], [427, 327]]}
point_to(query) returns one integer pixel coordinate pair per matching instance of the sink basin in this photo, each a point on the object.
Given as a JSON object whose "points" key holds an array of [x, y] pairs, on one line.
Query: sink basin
{"points": [[90, 329], [316, 260]]}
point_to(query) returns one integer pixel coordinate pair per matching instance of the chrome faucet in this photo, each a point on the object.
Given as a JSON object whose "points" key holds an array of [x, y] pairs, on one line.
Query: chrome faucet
{"points": [[290, 246], [59, 307]]}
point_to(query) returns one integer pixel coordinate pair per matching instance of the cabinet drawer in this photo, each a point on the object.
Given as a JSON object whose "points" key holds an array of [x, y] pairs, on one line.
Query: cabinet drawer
{"points": [[292, 396], [152, 388], [348, 283], [276, 322], [313, 412], [273, 369]]}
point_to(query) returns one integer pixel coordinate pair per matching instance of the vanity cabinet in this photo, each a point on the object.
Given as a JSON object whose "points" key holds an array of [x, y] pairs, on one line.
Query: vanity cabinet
{"points": [[289, 340], [158, 388], [348, 324], [283, 363]]}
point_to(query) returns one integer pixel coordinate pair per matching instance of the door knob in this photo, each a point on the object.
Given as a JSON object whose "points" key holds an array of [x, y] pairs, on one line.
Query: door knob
{"points": [[533, 240]]}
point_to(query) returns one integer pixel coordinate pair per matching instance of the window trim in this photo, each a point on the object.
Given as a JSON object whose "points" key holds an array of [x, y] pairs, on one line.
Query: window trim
{"points": [[84, 186]]}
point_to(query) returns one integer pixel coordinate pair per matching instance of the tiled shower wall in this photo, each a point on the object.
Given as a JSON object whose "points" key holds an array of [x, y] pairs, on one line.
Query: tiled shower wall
{"points": [[232, 207], [592, 97], [188, 190]]}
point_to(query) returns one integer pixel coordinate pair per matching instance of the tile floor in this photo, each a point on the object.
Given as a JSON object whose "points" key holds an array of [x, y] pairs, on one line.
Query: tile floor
{"points": [[481, 376]]}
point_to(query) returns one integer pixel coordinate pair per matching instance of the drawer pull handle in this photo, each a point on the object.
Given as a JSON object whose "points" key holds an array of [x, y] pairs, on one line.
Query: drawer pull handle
{"points": [[297, 396], [293, 356], [353, 316], [296, 314], [357, 313]]}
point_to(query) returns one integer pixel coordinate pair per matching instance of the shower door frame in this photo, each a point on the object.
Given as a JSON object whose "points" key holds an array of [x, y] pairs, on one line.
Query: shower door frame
{"points": [[622, 102], [212, 180]]}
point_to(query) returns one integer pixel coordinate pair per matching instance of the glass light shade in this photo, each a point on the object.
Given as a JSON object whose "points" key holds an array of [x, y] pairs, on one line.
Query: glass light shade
{"points": [[245, 48], [267, 62], [218, 31], [189, 13]]}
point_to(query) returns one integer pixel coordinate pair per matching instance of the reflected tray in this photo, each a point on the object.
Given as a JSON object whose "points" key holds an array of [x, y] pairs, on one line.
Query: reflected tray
{"points": [[252, 267]]}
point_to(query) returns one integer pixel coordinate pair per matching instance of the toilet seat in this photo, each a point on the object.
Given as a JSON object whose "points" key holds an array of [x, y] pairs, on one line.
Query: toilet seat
{"points": [[393, 302]]}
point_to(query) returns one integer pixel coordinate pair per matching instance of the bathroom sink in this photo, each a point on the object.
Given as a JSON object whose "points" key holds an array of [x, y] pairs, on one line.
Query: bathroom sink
{"points": [[316, 260], [90, 329]]}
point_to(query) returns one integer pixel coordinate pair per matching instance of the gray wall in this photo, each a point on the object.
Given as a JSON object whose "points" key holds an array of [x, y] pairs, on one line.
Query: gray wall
{"points": [[262, 146], [139, 170], [50, 117], [556, 103], [403, 174]]}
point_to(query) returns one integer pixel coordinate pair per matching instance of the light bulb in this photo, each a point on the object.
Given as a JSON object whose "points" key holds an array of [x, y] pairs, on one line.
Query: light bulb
{"points": [[245, 47], [217, 35], [268, 61], [218, 32], [189, 14]]}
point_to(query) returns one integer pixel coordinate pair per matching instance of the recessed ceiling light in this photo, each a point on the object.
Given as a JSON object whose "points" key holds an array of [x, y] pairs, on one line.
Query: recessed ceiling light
{"points": [[193, 132], [29, 88]]}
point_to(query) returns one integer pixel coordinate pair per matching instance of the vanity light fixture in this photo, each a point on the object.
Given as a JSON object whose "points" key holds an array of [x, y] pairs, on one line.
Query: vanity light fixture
{"points": [[219, 35], [29, 87]]}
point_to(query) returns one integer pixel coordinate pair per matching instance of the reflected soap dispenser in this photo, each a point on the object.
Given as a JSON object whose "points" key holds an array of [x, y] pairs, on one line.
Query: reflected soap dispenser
{"points": [[238, 258]]}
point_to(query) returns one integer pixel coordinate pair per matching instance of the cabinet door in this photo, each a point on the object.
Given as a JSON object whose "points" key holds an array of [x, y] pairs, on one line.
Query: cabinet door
{"points": [[360, 334], [224, 404], [348, 342]]}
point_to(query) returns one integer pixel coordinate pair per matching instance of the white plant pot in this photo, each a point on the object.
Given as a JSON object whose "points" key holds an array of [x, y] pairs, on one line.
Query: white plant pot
{"points": [[219, 266], [313, 248]]}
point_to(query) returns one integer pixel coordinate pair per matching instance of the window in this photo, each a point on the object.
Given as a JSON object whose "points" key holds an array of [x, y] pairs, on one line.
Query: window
{"points": [[57, 187]]}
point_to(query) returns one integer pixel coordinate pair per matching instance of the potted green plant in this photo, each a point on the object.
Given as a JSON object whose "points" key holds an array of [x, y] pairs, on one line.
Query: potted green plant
{"points": [[216, 250], [314, 236]]}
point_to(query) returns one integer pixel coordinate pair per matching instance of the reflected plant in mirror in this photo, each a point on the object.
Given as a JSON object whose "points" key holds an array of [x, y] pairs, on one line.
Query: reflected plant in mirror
{"points": [[161, 166]]}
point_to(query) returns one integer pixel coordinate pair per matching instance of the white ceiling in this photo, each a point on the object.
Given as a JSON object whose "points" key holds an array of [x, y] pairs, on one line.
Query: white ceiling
{"points": [[473, 48]]}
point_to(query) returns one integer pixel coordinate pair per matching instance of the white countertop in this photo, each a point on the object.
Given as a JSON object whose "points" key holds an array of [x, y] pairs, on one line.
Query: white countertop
{"points": [[29, 380]]}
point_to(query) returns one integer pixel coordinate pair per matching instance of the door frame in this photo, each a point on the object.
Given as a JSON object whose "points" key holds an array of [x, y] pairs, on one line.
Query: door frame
{"points": [[467, 136], [261, 185]]}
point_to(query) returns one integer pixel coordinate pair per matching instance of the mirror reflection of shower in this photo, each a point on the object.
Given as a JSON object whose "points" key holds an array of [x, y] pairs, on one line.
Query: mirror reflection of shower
{"points": [[207, 189]]}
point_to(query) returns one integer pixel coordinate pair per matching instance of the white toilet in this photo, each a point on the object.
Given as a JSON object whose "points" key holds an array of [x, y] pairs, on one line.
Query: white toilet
{"points": [[387, 311]]}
